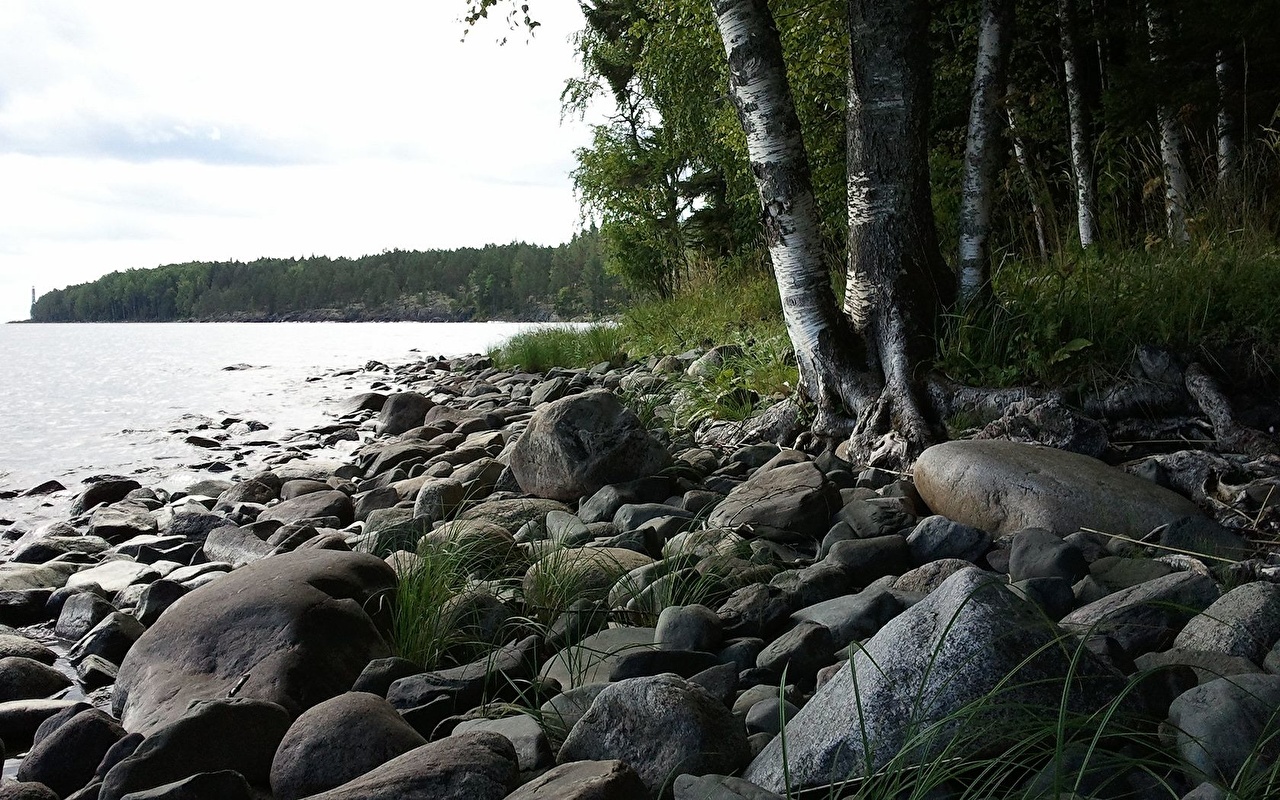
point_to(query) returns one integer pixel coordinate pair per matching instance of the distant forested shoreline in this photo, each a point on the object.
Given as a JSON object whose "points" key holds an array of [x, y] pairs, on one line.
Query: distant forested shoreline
{"points": [[515, 281]]}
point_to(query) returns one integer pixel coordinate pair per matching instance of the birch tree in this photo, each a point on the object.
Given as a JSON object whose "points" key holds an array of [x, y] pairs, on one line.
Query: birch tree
{"points": [[1229, 124], [982, 150], [1078, 116], [859, 366], [1170, 129]]}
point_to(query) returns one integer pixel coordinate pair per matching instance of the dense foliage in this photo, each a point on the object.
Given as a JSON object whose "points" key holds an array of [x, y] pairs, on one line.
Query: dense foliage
{"points": [[514, 281], [668, 177]]}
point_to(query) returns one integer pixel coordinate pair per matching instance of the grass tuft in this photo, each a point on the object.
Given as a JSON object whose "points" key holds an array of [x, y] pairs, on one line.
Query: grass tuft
{"points": [[560, 346]]}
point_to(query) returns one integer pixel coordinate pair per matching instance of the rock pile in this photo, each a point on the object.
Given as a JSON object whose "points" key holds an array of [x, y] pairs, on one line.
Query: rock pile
{"points": [[619, 616]]}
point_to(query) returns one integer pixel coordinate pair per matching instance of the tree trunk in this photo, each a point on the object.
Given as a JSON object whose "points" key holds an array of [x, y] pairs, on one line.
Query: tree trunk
{"points": [[1227, 72], [898, 284], [982, 151], [1175, 172], [1024, 166], [1078, 115], [831, 357]]}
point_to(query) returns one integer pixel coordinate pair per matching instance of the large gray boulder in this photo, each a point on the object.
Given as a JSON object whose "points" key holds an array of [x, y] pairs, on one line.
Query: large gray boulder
{"points": [[584, 780], [402, 411], [1003, 487], [577, 444], [337, 741], [957, 646], [787, 503], [469, 766], [662, 726], [291, 629]]}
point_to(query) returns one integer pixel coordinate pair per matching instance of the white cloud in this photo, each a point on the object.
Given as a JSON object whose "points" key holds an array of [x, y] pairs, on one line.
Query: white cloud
{"points": [[138, 133]]}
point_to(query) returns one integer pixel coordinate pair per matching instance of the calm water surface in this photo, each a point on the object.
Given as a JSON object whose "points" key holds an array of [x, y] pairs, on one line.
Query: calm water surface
{"points": [[84, 399]]}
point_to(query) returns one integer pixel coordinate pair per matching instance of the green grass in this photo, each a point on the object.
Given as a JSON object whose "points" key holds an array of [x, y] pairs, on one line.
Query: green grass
{"points": [[1081, 316], [560, 346]]}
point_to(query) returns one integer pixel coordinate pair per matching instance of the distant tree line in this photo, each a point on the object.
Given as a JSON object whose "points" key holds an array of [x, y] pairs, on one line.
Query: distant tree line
{"points": [[512, 281]]}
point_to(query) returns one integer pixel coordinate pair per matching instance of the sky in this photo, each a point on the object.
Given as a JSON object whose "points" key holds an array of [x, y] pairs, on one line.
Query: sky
{"points": [[137, 133]]}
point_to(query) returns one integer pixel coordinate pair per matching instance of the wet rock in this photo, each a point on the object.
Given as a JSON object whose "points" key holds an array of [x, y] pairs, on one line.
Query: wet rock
{"points": [[223, 784], [15, 645], [1003, 487], [305, 637], [337, 741], [19, 720], [662, 726], [574, 446]]}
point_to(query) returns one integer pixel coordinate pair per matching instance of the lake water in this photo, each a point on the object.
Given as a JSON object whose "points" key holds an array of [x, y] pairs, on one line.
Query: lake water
{"points": [[86, 399]]}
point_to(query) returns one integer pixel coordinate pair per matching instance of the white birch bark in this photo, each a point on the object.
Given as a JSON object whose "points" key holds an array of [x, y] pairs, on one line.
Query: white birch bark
{"points": [[830, 356], [982, 148], [1078, 116], [1176, 181], [1227, 75], [1028, 177]]}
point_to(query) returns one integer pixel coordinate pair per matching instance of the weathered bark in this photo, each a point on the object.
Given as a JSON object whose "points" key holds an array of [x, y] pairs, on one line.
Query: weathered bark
{"points": [[1175, 171], [831, 356], [898, 284], [1024, 166], [1230, 434], [1078, 116], [982, 148], [1227, 74]]}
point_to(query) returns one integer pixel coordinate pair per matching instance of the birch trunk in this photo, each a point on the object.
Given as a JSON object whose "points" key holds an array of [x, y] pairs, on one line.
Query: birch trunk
{"points": [[830, 355], [982, 150], [897, 283], [1078, 115], [1175, 172], [1227, 73], [1024, 166]]}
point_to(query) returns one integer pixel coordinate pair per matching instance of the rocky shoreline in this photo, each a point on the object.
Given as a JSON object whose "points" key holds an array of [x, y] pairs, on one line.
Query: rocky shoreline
{"points": [[626, 615]]}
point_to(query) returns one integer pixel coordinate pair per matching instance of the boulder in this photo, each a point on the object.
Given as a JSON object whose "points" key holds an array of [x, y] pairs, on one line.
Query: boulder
{"points": [[469, 766], [337, 741], [65, 758], [1003, 487], [970, 636], [108, 490], [224, 784], [291, 629], [1226, 726], [1244, 622], [28, 679], [787, 503], [309, 506], [401, 412], [574, 446], [227, 734], [1148, 616], [584, 780], [662, 726]]}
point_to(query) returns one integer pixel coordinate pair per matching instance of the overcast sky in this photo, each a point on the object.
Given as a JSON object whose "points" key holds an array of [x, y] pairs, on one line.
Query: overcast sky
{"points": [[135, 133]]}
